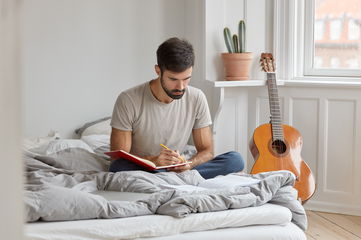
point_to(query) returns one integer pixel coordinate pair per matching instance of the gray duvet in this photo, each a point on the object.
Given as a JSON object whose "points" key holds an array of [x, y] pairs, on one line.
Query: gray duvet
{"points": [[58, 188]]}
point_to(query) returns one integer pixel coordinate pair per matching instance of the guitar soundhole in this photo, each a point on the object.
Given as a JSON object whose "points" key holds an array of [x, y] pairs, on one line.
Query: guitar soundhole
{"points": [[279, 146]]}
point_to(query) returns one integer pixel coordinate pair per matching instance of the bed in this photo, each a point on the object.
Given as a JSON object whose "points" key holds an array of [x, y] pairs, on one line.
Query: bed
{"points": [[234, 224], [70, 195]]}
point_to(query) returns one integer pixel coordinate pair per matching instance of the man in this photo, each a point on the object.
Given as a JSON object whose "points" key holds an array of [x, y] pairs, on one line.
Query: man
{"points": [[167, 111]]}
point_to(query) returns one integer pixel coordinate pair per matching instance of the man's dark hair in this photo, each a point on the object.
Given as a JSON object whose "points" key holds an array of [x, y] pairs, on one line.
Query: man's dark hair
{"points": [[175, 55]]}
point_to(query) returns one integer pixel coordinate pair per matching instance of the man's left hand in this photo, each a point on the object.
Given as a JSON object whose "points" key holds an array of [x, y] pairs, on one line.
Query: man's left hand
{"points": [[180, 168]]}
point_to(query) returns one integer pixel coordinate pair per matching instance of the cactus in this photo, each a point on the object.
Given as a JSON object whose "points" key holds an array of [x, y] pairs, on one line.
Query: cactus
{"points": [[236, 44], [242, 36], [228, 40]]}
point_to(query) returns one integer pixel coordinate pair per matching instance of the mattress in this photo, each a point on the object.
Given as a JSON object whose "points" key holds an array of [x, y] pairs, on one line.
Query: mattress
{"points": [[260, 232], [264, 222]]}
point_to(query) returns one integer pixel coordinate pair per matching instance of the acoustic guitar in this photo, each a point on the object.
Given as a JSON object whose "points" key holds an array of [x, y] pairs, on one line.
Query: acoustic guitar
{"points": [[276, 146]]}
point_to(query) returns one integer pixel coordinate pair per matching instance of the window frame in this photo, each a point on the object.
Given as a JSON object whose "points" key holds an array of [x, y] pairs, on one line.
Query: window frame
{"points": [[293, 34]]}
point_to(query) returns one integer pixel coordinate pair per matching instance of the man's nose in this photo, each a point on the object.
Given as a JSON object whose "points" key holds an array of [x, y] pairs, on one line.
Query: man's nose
{"points": [[180, 85]]}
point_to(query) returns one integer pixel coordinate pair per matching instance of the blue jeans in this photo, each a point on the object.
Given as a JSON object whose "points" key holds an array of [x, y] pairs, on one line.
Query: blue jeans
{"points": [[223, 164]]}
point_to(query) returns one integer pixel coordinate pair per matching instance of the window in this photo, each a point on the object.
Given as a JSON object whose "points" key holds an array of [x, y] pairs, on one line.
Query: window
{"points": [[318, 39], [335, 62], [318, 62], [335, 29], [352, 63], [353, 29], [319, 29], [337, 48]]}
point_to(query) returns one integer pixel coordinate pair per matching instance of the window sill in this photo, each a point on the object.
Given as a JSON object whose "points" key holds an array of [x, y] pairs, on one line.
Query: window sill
{"points": [[243, 83], [297, 82], [322, 82]]}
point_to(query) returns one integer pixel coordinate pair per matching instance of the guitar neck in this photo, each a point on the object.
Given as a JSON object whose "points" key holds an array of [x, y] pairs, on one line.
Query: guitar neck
{"points": [[274, 103]]}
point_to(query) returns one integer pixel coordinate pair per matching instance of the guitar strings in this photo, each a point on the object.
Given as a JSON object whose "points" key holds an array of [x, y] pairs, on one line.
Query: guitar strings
{"points": [[277, 132]]}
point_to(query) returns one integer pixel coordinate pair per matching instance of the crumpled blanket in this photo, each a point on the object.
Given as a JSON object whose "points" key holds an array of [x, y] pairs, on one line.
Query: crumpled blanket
{"points": [[57, 194]]}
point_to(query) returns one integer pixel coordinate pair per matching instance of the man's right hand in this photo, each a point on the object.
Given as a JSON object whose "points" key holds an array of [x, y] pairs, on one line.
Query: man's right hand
{"points": [[168, 157]]}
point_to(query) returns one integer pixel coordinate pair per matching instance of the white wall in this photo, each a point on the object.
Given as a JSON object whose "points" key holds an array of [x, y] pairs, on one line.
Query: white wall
{"points": [[228, 13], [219, 14], [78, 55], [11, 203]]}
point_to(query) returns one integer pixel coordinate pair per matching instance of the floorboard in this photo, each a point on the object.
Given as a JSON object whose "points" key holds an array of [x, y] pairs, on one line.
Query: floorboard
{"points": [[333, 226]]}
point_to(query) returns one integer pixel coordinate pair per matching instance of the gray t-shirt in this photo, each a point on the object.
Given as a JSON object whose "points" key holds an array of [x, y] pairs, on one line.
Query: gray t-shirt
{"points": [[153, 122]]}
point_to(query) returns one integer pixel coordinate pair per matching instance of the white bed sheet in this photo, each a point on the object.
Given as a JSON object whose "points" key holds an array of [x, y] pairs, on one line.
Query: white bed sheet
{"points": [[159, 225], [260, 232]]}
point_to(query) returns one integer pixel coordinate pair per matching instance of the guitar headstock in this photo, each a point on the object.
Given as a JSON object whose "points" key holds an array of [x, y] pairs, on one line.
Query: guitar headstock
{"points": [[267, 62]]}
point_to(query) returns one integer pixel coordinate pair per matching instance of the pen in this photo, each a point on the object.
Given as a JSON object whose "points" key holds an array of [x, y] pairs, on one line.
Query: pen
{"points": [[164, 146]]}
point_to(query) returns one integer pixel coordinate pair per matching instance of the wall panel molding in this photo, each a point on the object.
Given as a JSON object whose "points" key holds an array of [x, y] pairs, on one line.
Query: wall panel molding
{"points": [[303, 115], [340, 145], [331, 131]]}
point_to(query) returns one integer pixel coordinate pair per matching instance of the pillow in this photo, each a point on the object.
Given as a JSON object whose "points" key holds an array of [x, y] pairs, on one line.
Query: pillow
{"points": [[98, 143], [100, 126], [58, 145], [29, 143], [75, 159]]}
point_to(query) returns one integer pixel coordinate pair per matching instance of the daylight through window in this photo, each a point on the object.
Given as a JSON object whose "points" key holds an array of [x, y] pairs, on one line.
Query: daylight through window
{"points": [[337, 42]]}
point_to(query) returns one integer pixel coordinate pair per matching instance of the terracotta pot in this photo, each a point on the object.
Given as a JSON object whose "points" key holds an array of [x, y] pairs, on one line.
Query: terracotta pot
{"points": [[237, 65]]}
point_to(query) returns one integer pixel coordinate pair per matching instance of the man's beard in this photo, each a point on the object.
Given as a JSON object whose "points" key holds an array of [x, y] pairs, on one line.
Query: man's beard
{"points": [[170, 92]]}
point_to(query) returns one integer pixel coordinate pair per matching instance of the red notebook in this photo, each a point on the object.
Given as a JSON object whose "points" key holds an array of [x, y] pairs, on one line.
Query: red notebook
{"points": [[140, 161]]}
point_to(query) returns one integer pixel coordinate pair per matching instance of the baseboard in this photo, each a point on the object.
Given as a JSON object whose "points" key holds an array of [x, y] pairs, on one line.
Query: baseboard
{"points": [[333, 207]]}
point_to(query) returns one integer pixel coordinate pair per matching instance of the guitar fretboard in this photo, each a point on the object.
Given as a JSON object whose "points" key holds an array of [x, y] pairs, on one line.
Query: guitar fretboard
{"points": [[274, 103]]}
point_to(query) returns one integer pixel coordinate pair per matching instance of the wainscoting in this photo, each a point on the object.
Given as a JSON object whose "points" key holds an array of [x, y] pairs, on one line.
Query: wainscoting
{"points": [[328, 118]]}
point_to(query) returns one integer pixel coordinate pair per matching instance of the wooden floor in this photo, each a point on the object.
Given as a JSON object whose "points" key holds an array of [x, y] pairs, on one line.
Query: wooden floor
{"points": [[329, 226]]}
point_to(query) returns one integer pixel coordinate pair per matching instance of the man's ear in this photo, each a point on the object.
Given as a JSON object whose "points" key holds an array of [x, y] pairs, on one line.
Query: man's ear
{"points": [[157, 69]]}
